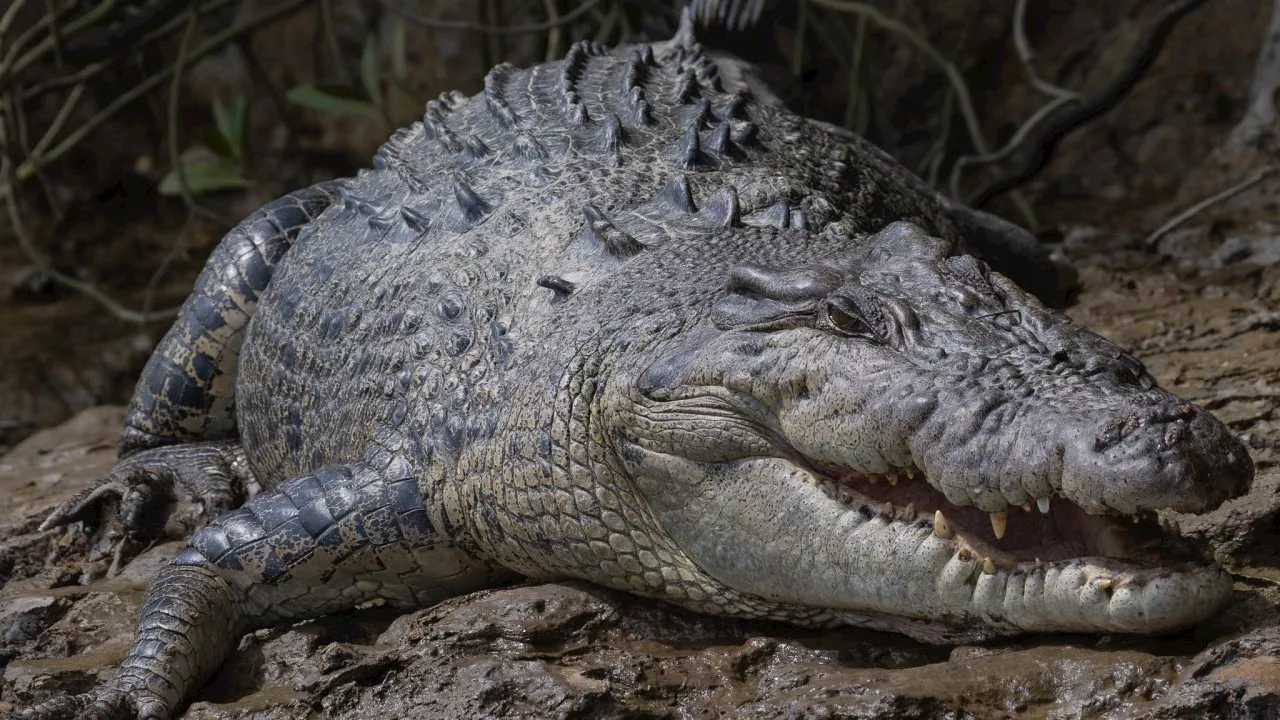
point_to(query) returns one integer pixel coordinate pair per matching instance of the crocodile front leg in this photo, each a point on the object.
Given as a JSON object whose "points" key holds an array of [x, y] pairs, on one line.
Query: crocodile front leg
{"points": [[134, 500], [319, 544], [178, 440]]}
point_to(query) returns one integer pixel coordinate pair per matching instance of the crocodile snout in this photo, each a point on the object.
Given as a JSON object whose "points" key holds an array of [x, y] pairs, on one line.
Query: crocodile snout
{"points": [[1170, 455]]}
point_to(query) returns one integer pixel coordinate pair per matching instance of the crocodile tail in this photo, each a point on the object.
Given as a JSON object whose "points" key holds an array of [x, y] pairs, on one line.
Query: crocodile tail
{"points": [[187, 389]]}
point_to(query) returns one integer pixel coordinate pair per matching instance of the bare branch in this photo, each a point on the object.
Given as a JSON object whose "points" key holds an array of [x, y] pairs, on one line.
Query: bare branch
{"points": [[437, 24], [1257, 177]]}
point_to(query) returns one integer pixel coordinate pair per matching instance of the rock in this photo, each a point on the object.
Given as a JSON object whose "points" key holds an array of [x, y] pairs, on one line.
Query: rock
{"points": [[560, 650]]}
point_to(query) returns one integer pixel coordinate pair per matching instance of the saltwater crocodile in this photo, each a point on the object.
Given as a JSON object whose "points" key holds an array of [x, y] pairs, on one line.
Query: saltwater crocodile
{"points": [[611, 319]]}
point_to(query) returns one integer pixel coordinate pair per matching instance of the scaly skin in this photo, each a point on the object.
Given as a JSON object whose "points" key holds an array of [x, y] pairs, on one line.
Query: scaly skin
{"points": [[520, 347]]}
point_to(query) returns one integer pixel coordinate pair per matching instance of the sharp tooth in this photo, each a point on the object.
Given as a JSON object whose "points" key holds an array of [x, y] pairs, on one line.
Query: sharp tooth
{"points": [[873, 479], [988, 567], [892, 476], [911, 511], [1043, 504], [888, 509], [1026, 506], [1039, 562], [999, 521], [1104, 584], [941, 527], [965, 554]]}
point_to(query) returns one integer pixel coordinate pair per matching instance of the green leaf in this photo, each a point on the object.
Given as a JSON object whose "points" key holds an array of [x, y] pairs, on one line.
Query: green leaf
{"points": [[203, 176], [230, 122], [399, 53], [369, 75], [331, 99]]}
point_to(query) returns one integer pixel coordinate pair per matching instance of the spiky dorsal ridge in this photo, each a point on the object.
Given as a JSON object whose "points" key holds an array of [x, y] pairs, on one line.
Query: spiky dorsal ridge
{"points": [[590, 105]]}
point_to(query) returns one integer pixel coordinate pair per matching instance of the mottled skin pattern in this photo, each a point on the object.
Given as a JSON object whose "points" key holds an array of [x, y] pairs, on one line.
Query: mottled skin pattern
{"points": [[611, 320]]}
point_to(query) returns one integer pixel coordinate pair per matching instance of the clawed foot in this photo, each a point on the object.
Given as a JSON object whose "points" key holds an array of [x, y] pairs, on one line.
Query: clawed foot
{"points": [[162, 492], [119, 699]]}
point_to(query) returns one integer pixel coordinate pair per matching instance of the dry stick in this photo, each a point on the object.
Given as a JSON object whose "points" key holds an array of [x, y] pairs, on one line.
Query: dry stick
{"points": [[1008, 149], [1061, 96], [1028, 56], [437, 24], [797, 47], [47, 269], [96, 67], [1257, 177], [13, 65], [331, 39], [24, 171], [1046, 138], [6, 20], [175, 94], [607, 22], [555, 35], [853, 103], [948, 68]]}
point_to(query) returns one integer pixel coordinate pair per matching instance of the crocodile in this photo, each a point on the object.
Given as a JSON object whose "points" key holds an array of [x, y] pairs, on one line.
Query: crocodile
{"points": [[612, 319]]}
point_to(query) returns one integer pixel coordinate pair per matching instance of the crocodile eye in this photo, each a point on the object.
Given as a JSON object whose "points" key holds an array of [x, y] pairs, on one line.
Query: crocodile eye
{"points": [[843, 317]]}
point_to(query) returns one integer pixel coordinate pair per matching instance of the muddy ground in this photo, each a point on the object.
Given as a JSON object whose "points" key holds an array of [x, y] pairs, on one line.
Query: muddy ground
{"points": [[572, 650]]}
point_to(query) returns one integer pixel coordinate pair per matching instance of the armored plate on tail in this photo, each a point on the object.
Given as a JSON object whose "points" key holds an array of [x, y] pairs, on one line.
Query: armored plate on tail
{"points": [[612, 319]]}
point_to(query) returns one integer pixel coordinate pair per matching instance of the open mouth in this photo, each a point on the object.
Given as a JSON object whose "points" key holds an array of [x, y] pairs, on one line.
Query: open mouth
{"points": [[1023, 538]]}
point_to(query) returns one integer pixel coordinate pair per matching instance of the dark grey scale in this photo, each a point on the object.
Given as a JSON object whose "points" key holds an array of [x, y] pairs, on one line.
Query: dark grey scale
{"points": [[718, 140], [435, 127], [608, 139], [618, 244], [416, 219], [744, 134], [722, 207], [777, 215], [494, 94], [391, 157], [638, 107], [383, 220], [531, 150], [474, 147], [734, 108], [634, 70], [558, 285], [676, 195], [685, 88], [574, 63], [688, 149]]}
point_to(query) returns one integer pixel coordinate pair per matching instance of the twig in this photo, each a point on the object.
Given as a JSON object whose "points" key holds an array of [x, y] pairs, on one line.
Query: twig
{"points": [[797, 48], [55, 32], [331, 40], [1257, 177], [885, 22], [13, 65], [853, 100], [28, 167], [6, 20], [438, 24], [94, 68], [1074, 115], [1029, 57], [555, 35], [47, 269], [1009, 147], [607, 22], [175, 144]]}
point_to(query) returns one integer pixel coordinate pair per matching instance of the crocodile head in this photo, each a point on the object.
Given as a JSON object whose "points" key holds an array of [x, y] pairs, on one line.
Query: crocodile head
{"points": [[899, 432]]}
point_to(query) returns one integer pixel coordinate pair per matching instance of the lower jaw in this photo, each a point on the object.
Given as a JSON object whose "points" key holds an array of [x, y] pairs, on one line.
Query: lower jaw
{"points": [[967, 579]]}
